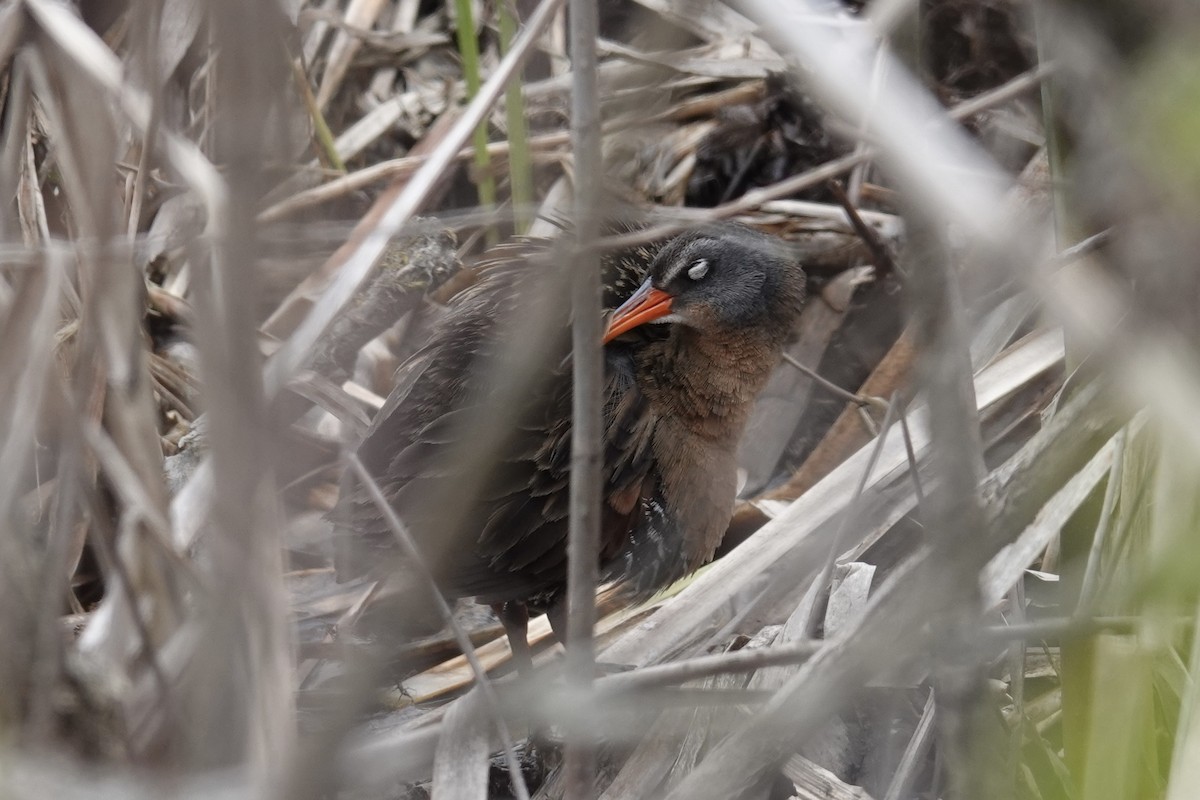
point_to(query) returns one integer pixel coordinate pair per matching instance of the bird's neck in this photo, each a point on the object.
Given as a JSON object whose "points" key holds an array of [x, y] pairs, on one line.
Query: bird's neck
{"points": [[708, 381]]}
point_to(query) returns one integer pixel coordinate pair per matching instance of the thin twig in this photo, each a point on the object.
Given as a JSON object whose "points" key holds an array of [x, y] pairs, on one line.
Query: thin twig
{"points": [[910, 452], [825, 383], [413, 554], [704, 666], [884, 262], [867, 421]]}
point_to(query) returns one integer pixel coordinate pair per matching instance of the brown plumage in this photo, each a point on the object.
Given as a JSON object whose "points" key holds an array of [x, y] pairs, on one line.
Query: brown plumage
{"points": [[676, 398]]}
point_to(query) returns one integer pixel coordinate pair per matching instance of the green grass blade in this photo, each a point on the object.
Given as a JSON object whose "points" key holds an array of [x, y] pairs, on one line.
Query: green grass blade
{"points": [[520, 169], [468, 50]]}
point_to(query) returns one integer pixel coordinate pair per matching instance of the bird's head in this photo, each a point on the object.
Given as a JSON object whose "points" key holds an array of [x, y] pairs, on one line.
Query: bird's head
{"points": [[725, 277]]}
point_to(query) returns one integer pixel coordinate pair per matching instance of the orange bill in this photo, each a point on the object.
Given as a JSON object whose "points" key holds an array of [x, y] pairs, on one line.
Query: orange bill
{"points": [[645, 305]]}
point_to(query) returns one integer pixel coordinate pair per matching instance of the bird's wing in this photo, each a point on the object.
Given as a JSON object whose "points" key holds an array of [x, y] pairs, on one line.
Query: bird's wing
{"points": [[514, 540], [433, 380], [512, 526]]}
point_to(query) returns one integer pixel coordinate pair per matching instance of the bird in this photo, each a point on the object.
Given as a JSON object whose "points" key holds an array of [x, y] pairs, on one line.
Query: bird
{"points": [[684, 355]]}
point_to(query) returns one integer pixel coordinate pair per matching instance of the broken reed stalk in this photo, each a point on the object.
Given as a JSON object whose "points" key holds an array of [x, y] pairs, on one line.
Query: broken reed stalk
{"points": [[584, 540]]}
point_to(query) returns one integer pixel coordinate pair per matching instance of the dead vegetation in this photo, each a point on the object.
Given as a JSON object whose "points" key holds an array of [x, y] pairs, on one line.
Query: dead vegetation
{"points": [[964, 564]]}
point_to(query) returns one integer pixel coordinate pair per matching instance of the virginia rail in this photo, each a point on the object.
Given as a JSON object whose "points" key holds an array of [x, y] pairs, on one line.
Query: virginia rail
{"points": [[677, 393]]}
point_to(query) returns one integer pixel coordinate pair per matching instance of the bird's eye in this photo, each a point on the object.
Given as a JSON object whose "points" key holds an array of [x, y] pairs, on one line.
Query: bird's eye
{"points": [[698, 269]]}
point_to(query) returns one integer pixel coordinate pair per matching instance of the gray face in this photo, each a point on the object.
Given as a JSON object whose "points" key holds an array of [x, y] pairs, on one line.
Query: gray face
{"points": [[722, 277]]}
